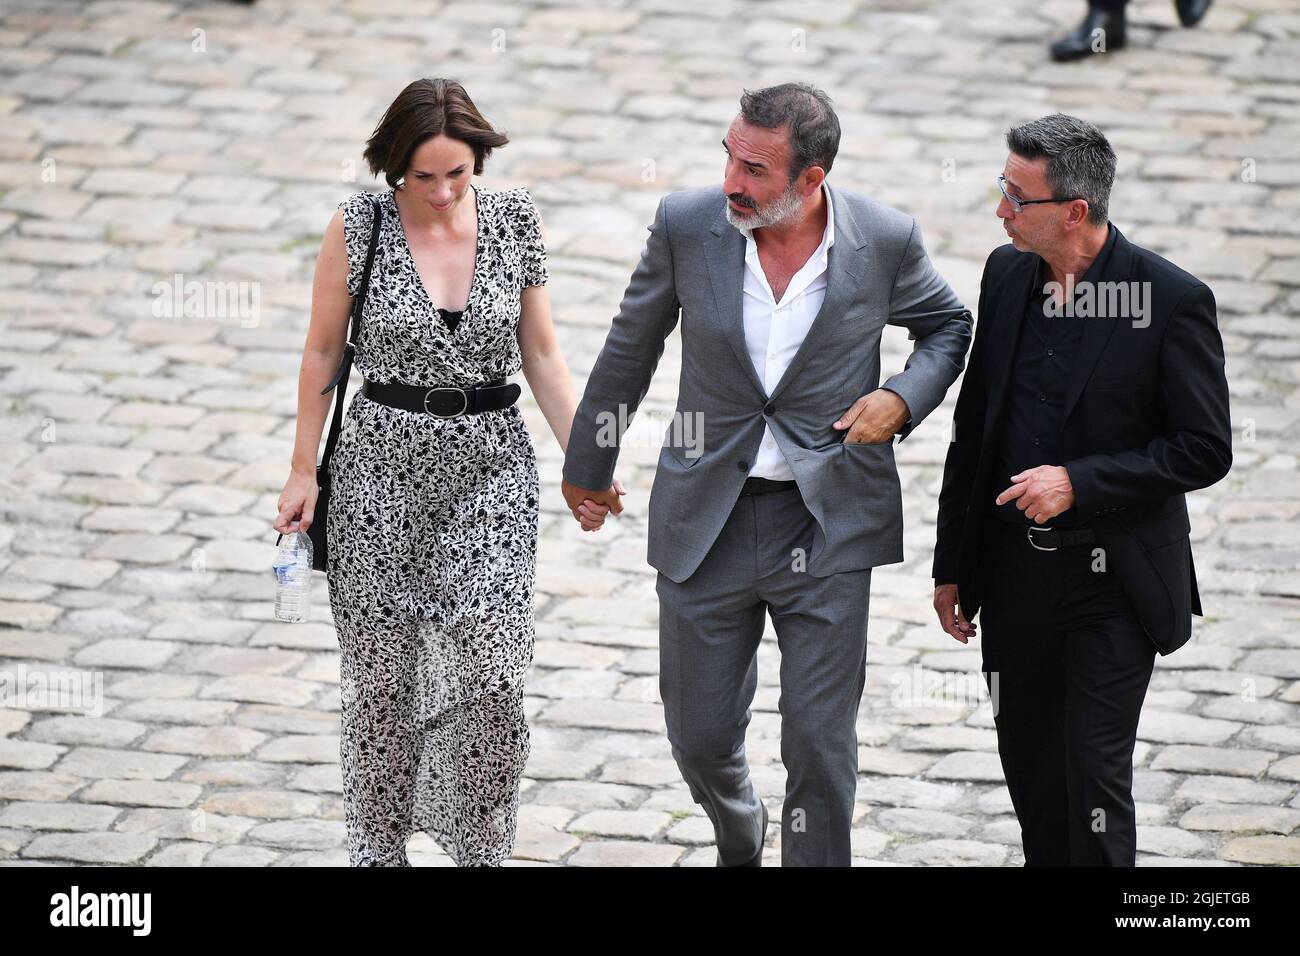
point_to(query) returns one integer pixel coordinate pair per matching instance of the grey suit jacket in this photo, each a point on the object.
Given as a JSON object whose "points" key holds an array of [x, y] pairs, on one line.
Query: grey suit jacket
{"points": [[693, 265]]}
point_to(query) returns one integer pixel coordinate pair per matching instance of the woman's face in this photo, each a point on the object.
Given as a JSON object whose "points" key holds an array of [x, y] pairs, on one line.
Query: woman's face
{"points": [[440, 173]]}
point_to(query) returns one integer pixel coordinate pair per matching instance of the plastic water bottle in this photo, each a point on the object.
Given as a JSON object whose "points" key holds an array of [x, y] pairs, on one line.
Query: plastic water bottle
{"points": [[293, 578]]}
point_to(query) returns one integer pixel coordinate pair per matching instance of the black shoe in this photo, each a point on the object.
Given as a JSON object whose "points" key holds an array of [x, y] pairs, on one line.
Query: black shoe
{"points": [[757, 858], [1079, 42], [1190, 12]]}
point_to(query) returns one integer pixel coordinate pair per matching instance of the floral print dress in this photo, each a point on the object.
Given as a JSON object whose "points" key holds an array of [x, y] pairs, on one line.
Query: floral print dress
{"points": [[432, 526]]}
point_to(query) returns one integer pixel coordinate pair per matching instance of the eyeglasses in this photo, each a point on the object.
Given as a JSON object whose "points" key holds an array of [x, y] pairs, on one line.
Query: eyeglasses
{"points": [[1019, 204]]}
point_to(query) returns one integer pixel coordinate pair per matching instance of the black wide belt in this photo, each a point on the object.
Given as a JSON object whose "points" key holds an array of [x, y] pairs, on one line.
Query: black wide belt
{"points": [[761, 486], [443, 402], [1046, 539]]}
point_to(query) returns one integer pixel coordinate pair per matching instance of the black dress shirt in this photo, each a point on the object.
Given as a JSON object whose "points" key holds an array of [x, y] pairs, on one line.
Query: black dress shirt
{"points": [[1040, 374]]}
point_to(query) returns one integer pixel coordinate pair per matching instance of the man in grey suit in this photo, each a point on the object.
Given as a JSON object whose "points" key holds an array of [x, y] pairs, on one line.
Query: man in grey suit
{"points": [[783, 286]]}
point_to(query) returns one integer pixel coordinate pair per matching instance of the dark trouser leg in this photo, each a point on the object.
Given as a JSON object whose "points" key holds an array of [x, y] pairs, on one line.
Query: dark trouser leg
{"points": [[821, 627], [710, 626], [1073, 667], [1022, 661], [1108, 664]]}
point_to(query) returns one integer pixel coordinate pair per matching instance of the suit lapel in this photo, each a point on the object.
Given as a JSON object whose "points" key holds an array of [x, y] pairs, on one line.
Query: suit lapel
{"points": [[725, 256], [1097, 329], [1008, 318], [845, 265]]}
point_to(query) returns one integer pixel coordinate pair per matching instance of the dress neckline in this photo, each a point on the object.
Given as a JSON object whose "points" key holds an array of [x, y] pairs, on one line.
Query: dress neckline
{"points": [[419, 281]]}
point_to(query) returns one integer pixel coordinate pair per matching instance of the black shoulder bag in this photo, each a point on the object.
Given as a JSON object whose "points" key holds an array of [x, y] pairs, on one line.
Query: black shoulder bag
{"points": [[316, 531]]}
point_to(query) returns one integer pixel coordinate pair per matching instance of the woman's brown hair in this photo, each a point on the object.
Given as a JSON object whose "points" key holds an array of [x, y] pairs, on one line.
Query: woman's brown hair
{"points": [[428, 108]]}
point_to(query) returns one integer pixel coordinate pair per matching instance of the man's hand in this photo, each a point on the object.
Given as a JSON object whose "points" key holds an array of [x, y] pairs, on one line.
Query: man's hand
{"points": [[1041, 493], [874, 418], [589, 507], [951, 618]]}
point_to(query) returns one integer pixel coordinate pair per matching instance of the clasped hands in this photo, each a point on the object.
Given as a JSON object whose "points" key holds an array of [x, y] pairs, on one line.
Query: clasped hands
{"points": [[590, 506]]}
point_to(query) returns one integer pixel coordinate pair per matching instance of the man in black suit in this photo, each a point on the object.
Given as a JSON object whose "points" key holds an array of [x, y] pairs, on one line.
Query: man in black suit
{"points": [[1094, 399]]}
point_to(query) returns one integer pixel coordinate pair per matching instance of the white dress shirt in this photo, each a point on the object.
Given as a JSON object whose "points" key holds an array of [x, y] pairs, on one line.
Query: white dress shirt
{"points": [[774, 331]]}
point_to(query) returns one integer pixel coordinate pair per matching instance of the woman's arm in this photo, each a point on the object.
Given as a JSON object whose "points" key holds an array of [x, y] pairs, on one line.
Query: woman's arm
{"points": [[548, 377], [543, 363], [326, 338], [327, 335]]}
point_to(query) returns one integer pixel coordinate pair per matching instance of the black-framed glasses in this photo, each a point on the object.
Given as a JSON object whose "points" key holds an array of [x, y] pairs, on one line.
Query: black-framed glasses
{"points": [[1019, 204]]}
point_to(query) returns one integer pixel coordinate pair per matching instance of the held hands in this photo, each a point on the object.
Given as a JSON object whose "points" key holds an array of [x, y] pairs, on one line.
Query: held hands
{"points": [[874, 418], [1041, 493], [951, 618], [590, 506]]}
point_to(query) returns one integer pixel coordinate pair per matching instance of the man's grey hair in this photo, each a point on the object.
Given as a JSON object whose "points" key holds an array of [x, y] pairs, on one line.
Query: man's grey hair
{"points": [[1080, 161], [807, 111]]}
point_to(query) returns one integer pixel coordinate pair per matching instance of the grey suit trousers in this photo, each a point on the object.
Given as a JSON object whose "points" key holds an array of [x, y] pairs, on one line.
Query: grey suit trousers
{"points": [[710, 626]]}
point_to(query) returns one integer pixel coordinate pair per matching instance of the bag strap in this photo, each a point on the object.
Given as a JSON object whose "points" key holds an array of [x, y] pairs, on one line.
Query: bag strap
{"points": [[345, 367]]}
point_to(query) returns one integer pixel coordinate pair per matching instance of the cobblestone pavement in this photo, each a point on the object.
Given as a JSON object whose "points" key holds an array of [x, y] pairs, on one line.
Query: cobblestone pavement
{"points": [[146, 438]]}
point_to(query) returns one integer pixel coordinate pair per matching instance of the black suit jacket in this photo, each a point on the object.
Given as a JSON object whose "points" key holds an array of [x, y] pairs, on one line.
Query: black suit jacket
{"points": [[1146, 420]]}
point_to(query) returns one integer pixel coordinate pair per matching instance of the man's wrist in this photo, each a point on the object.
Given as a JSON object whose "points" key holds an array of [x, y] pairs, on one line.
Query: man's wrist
{"points": [[907, 411]]}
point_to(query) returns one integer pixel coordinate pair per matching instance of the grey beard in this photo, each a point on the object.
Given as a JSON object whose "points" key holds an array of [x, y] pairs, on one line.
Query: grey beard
{"points": [[777, 211]]}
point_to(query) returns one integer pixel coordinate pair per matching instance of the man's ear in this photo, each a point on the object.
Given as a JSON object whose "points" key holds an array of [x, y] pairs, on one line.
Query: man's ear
{"points": [[1078, 214], [812, 179]]}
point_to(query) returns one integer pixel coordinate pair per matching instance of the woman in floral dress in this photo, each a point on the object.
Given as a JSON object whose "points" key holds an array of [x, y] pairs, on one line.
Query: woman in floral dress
{"points": [[433, 513]]}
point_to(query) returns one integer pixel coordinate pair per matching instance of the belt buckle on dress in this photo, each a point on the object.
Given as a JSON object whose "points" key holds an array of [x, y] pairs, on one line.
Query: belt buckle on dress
{"points": [[1029, 533], [463, 397]]}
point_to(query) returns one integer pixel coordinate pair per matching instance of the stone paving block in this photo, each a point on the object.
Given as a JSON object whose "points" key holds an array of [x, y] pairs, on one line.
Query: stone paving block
{"points": [[1215, 760], [1268, 850], [624, 853], [93, 848], [1240, 819]]}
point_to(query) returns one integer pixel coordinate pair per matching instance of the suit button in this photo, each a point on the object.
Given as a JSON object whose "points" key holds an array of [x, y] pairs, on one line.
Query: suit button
{"points": [[742, 465], [769, 409]]}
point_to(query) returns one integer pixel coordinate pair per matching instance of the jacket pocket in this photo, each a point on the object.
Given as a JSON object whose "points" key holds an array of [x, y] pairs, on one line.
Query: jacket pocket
{"points": [[685, 457]]}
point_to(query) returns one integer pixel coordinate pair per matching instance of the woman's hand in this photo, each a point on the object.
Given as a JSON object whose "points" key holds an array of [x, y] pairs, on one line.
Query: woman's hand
{"points": [[297, 503]]}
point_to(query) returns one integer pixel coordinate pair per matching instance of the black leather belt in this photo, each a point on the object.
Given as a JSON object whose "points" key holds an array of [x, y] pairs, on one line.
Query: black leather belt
{"points": [[1045, 539], [761, 486], [443, 402]]}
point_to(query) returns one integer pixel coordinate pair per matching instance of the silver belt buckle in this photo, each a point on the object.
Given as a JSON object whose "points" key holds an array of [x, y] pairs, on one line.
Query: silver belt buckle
{"points": [[1029, 533], [464, 402]]}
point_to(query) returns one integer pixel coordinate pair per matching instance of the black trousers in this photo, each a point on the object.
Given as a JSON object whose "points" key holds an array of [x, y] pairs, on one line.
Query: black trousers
{"points": [[1067, 665]]}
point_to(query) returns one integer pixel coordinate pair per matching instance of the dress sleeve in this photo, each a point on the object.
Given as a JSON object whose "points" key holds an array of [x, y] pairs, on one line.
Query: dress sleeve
{"points": [[528, 225], [358, 217]]}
